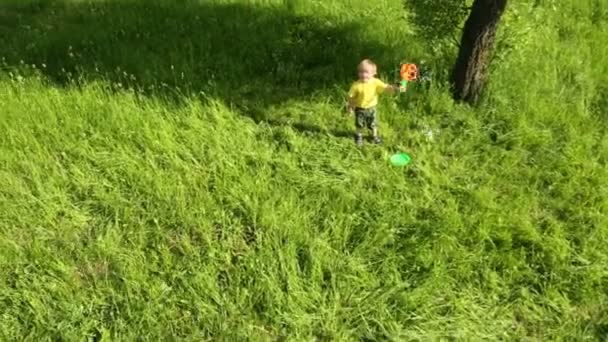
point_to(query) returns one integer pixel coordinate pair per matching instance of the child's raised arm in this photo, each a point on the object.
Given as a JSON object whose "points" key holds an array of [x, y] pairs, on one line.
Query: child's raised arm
{"points": [[389, 88], [392, 89]]}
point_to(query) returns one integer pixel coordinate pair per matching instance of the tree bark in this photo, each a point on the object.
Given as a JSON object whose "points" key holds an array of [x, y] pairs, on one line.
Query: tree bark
{"points": [[470, 71]]}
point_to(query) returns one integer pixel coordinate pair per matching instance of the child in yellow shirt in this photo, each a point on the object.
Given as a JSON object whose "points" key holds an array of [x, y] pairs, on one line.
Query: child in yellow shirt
{"points": [[363, 98]]}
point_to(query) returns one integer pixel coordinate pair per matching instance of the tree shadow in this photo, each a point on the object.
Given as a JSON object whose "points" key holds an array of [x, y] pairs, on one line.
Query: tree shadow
{"points": [[439, 19], [439, 23], [250, 56]]}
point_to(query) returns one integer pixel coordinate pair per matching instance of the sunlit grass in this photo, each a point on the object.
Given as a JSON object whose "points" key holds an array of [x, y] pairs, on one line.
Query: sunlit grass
{"points": [[185, 171]]}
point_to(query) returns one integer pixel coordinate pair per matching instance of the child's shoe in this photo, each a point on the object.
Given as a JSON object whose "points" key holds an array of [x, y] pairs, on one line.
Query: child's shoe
{"points": [[359, 139], [377, 140]]}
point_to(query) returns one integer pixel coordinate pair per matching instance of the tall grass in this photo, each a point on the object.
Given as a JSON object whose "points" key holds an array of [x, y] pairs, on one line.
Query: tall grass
{"points": [[183, 170]]}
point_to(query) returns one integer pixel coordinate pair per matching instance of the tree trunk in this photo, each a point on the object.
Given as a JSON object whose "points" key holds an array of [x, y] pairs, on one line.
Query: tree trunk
{"points": [[469, 74]]}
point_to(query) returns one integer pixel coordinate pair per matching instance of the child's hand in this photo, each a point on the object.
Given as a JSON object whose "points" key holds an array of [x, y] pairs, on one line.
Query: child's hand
{"points": [[350, 109], [393, 89]]}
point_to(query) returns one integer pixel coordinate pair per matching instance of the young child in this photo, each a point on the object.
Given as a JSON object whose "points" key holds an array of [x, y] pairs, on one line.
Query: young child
{"points": [[363, 98]]}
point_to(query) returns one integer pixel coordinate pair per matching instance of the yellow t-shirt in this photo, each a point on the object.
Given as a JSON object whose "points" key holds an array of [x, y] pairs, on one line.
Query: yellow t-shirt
{"points": [[365, 94]]}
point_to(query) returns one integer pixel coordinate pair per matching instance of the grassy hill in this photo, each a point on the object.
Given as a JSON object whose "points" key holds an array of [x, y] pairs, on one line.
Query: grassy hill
{"points": [[184, 170]]}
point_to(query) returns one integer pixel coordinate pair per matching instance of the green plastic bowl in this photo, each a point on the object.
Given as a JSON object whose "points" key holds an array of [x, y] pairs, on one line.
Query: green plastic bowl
{"points": [[400, 159]]}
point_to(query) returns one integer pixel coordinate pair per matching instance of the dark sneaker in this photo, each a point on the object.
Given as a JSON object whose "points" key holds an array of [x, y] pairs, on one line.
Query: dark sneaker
{"points": [[377, 140], [359, 139]]}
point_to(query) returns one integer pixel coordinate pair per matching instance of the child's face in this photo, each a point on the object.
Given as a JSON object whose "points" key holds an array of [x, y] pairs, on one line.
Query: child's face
{"points": [[366, 73]]}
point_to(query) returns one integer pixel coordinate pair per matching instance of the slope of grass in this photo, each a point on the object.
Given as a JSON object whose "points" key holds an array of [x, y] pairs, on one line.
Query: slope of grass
{"points": [[183, 170]]}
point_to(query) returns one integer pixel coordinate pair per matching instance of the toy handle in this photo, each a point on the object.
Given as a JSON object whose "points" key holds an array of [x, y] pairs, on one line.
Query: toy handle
{"points": [[403, 85]]}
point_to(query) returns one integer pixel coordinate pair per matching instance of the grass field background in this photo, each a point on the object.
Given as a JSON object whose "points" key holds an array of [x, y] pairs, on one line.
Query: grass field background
{"points": [[184, 170]]}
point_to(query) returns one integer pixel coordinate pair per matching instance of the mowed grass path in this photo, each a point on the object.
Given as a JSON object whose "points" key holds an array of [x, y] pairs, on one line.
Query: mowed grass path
{"points": [[184, 171]]}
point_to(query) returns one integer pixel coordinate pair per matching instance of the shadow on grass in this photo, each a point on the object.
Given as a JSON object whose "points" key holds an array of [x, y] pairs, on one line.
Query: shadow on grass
{"points": [[312, 129], [251, 56]]}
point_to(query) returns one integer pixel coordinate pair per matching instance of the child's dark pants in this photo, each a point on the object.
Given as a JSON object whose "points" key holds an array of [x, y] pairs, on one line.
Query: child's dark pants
{"points": [[365, 118]]}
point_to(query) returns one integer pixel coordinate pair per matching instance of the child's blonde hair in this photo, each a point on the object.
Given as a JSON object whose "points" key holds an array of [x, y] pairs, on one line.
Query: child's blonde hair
{"points": [[368, 63]]}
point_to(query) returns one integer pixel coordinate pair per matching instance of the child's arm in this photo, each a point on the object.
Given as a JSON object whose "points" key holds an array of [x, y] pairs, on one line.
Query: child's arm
{"points": [[351, 102], [389, 88], [350, 107]]}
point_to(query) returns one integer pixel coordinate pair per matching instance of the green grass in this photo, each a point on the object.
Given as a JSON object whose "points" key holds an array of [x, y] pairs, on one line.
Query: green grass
{"points": [[182, 170]]}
